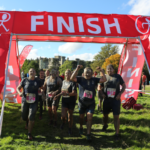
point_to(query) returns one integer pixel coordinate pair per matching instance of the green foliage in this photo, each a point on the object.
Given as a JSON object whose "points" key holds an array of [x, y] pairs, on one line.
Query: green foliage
{"points": [[6, 140], [30, 64], [67, 65], [35, 65], [106, 52], [24, 67], [55, 63], [71, 64], [134, 129]]}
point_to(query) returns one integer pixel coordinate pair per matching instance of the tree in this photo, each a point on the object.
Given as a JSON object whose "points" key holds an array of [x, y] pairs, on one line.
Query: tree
{"points": [[71, 64], [114, 60], [55, 62], [68, 64], [30, 64], [88, 63], [24, 67], [34, 65], [106, 52]]}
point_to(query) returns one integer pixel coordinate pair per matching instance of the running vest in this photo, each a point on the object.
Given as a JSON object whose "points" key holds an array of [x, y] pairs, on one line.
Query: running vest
{"points": [[51, 86], [112, 85], [30, 90], [65, 87]]}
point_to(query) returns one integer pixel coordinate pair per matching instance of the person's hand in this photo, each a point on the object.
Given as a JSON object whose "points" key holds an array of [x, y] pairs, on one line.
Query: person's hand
{"points": [[53, 94], [64, 93], [55, 97], [50, 93], [99, 69], [118, 96], [79, 67], [20, 94]]}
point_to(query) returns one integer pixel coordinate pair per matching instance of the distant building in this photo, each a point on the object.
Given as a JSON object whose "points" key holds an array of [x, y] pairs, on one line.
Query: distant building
{"points": [[46, 63]]}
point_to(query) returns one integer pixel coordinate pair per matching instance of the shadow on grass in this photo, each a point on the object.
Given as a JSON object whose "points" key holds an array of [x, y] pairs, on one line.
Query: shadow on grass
{"points": [[13, 126]]}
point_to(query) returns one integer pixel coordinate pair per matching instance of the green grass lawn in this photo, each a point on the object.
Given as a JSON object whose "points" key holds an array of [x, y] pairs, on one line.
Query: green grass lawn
{"points": [[134, 129]]}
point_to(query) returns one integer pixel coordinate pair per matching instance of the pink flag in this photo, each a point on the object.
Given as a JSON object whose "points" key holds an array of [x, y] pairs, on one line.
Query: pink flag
{"points": [[13, 77], [26, 50], [132, 69]]}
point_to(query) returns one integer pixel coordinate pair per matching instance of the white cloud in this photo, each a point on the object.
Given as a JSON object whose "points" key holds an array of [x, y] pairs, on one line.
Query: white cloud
{"points": [[33, 54], [13, 10], [56, 54], [2, 8], [85, 56], [70, 47], [139, 7], [20, 48], [131, 2], [20, 9], [120, 46]]}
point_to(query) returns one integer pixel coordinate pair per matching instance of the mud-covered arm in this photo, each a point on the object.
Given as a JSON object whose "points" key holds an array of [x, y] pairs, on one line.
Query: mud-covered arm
{"points": [[103, 79], [59, 83], [73, 76], [74, 90]]}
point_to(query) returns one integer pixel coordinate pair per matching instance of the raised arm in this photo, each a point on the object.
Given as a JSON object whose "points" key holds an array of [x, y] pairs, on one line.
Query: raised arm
{"points": [[73, 76], [103, 79]]}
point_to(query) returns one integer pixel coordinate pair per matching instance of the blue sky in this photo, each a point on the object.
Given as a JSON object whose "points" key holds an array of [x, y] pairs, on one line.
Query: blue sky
{"points": [[84, 51]]}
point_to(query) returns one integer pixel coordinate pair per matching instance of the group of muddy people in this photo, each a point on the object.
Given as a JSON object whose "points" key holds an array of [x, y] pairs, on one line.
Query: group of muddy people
{"points": [[46, 91]]}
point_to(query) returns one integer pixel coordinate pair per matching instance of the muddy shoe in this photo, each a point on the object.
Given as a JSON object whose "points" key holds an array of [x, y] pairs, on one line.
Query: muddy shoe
{"points": [[104, 128], [117, 137], [81, 131], [88, 137], [30, 137]]}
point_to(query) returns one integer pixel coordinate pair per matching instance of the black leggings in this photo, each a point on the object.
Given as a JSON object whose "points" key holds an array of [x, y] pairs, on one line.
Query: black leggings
{"points": [[41, 105]]}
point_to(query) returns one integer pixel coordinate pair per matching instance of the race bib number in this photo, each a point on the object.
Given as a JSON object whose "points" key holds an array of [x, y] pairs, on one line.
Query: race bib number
{"points": [[111, 92], [30, 98], [88, 94], [39, 92]]}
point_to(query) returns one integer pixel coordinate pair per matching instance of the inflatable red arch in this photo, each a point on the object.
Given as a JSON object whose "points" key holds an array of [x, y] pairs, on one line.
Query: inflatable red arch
{"points": [[71, 27]]}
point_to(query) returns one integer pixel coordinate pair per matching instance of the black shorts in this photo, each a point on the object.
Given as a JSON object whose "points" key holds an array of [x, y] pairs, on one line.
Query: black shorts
{"points": [[111, 104], [69, 105], [85, 109], [28, 110], [50, 102]]}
